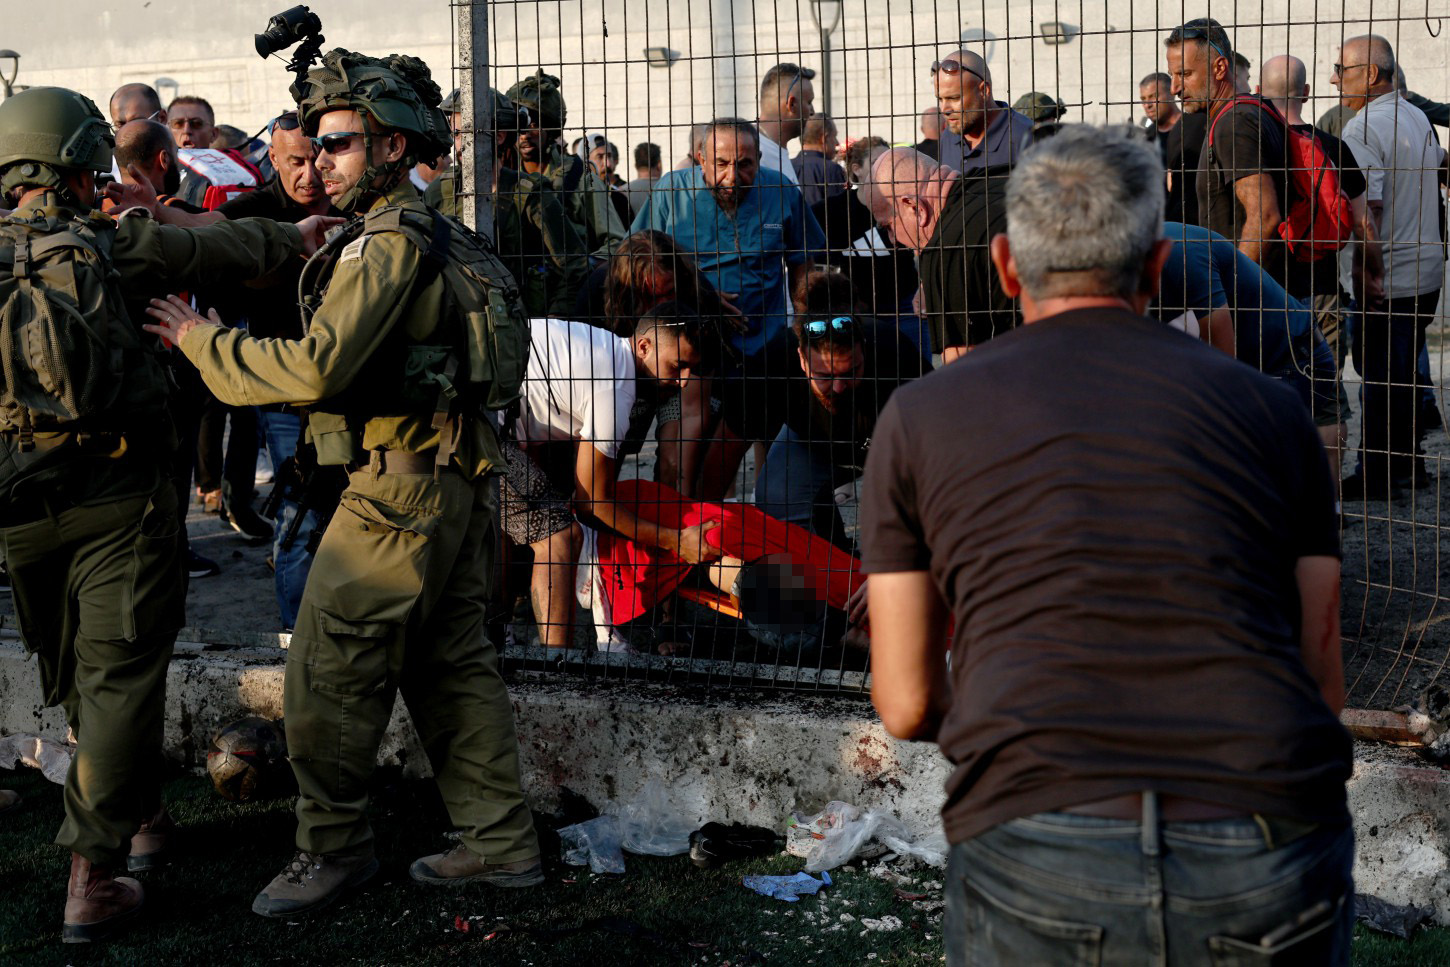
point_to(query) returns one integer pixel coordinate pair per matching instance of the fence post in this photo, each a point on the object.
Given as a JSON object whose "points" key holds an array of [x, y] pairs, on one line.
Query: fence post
{"points": [[475, 176]]}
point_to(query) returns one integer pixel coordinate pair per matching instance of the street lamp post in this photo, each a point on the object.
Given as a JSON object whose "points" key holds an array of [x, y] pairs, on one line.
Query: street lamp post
{"points": [[827, 15], [7, 79]]}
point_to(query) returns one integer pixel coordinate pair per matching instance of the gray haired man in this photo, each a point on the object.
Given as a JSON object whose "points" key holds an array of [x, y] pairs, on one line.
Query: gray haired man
{"points": [[1137, 542]]}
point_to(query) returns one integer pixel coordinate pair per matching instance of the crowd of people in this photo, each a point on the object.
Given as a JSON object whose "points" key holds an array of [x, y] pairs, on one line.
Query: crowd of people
{"points": [[1084, 379]]}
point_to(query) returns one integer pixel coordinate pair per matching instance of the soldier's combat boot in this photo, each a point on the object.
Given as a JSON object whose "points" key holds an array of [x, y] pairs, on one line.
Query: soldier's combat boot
{"points": [[312, 881], [97, 903], [462, 865], [148, 846]]}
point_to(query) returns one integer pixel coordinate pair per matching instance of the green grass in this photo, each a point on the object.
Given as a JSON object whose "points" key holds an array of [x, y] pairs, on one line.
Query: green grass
{"points": [[662, 911]]}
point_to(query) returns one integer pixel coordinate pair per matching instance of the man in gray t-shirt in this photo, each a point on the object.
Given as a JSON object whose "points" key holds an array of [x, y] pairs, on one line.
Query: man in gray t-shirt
{"points": [[648, 167]]}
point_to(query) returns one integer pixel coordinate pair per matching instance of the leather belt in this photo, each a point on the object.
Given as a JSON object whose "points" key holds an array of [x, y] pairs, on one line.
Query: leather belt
{"points": [[1171, 809]]}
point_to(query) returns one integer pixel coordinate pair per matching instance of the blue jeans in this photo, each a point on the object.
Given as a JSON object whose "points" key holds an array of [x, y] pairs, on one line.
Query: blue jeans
{"points": [[797, 485], [1057, 888], [293, 562]]}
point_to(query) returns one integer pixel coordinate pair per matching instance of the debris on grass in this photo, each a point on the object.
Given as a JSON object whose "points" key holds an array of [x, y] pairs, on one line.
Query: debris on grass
{"points": [[787, 888], [886, 924]]}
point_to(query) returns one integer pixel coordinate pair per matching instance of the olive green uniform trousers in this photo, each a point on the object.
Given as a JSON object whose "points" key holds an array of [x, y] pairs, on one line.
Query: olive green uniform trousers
{"points": [[100, 593], [395, 600]]}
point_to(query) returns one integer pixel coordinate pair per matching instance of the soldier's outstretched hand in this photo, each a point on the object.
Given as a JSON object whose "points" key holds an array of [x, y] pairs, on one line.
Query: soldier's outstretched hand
{"points": [[175, 318], [314, 229]]}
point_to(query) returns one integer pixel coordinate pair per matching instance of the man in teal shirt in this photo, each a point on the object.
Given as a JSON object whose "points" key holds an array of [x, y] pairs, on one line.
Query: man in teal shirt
{"points": [[745, 226]]}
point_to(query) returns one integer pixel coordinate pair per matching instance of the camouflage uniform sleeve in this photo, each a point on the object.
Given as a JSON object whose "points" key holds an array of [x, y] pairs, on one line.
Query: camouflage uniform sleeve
{"points": [[364, 301], [566, 249], [149, 255], [608, 229]]}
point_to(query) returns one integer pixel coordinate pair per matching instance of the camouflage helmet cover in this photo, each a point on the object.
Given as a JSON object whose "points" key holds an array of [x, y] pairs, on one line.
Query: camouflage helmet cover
{"points": [[48, 130], [541, 94], [396, 92]]}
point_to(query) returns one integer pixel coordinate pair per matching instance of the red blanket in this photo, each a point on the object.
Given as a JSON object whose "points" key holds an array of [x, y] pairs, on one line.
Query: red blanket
{"points": [[636, 577]]}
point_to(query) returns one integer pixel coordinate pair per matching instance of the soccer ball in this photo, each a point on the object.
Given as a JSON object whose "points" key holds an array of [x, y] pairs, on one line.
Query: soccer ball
{"points": [[248, 759]]}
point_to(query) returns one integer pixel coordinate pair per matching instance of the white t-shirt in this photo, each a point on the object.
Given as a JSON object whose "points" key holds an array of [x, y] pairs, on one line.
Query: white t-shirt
{"points": [[579, 385], [1395, 147], [773, 156]]}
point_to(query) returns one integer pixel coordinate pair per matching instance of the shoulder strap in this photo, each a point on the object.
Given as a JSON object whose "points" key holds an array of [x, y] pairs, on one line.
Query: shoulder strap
{"points": [[1242, 99]]}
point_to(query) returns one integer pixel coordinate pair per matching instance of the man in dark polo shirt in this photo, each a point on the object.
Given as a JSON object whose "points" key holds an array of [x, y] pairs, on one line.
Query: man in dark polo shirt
{"points": [[948, 219], [1135, 538], [269, 309], [978, 130]]}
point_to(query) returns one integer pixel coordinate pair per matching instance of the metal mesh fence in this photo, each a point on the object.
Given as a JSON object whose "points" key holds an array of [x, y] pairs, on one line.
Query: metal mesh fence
{"points": [[804, 299]]}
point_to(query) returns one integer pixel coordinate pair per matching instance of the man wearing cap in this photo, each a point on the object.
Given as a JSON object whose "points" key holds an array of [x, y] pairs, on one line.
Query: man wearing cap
{"points": [[980, 132], [586, 198], [395, 598], [89, 517]]}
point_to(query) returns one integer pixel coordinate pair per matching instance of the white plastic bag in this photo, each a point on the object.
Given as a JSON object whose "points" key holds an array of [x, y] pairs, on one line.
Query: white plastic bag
{"points": [[52, 758], [842, 832], [595, 842], [654, 824]]}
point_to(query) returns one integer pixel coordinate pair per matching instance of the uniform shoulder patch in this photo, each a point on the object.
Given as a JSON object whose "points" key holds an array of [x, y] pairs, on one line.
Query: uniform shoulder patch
{"points": [[353, 250]]}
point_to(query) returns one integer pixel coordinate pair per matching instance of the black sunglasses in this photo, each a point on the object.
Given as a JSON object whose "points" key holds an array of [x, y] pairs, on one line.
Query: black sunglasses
{"points": [[335, 143], [1201, 30], [285, 122], [820, 328], [954, 67]]}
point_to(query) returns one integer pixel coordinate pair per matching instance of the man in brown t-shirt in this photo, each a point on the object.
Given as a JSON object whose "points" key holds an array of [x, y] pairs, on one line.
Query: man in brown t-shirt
{"points": [[1139, 553]]}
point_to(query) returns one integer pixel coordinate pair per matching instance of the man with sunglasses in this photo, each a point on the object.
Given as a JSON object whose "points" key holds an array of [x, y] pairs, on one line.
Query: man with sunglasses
{"points": [[980, 131], [1243, 192], [787, 102], [395, 597]]}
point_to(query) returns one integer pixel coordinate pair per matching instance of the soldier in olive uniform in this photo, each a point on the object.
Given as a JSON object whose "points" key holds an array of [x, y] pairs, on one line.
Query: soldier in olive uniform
{"points": [[395, 598], [537, 241], [88, 516], [586, 198]]}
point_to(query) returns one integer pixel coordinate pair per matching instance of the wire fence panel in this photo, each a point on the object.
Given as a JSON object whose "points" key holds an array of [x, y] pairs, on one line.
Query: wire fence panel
{"points": [[725, 288]]}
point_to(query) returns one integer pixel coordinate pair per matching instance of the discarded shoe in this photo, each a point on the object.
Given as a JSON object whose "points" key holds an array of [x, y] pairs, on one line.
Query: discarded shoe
{"points": [[311, 881], [148, 846], [716, 843], [97, 903], [462, 865]]}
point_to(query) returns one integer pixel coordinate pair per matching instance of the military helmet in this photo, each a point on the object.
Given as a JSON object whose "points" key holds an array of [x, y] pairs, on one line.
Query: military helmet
{"points": [[47, 130], [396, 92], [1037, 106], [540, 93]]}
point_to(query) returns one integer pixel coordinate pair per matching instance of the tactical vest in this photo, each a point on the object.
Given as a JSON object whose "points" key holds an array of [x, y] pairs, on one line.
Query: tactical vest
{"points": [[73, 368], [472, 363]]}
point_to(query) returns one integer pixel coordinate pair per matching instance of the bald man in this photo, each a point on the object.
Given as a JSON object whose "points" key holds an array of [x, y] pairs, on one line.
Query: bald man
{"points": [[1404, 166], [144, 150], [133, 102], [931, 128], [948, 218], [980, 131]]}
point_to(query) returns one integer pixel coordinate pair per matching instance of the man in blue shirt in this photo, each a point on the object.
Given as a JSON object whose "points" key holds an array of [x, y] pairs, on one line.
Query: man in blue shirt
{"points": [[980, 131], [745, 226], [1242, 310]]}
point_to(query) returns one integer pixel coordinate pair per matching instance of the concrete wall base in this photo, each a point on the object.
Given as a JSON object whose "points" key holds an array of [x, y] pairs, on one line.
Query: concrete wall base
{"points": [[744, 759]]}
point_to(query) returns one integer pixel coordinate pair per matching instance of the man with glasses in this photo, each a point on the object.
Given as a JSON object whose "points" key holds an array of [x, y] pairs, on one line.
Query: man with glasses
{"points": [[787, 102], [395, 597], [980, 131], [1242, 186], [948, 219], [1404, 167]]}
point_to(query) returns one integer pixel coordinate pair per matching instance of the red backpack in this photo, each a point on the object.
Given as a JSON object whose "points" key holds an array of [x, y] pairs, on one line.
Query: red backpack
{"points": [[1319, 220]]}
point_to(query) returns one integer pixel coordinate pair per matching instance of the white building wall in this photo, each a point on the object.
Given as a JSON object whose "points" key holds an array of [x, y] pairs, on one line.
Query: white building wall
{"points": [[882, 51]]}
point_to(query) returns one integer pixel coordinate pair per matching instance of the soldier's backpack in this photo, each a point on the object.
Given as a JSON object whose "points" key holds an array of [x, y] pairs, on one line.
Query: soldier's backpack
{"points": [[66, 341], [481, 368]]}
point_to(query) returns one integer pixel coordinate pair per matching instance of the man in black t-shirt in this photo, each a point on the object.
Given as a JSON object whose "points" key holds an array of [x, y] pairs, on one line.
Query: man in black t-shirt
{"points": [[824, 381], [1183, 150], [1139, 552], [1242, 186], [948, 219]]}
